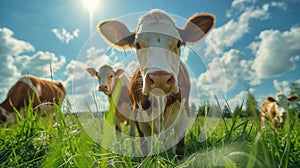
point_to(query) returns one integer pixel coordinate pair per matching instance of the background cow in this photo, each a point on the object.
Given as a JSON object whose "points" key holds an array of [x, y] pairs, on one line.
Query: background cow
{"points": [[157, 41], [274, 109], [39, 90], [108, 79]]}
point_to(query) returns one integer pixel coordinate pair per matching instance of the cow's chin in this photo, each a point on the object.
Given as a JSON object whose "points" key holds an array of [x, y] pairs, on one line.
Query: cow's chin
{"points": [[158, 92]]}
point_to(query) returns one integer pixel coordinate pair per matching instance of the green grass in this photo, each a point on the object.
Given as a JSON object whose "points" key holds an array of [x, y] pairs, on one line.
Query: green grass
{"points": [[235, 142]]}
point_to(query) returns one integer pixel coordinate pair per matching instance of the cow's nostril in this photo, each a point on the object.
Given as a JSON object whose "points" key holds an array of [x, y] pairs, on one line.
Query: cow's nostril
{"points": [[170, 81], [151, 81]]}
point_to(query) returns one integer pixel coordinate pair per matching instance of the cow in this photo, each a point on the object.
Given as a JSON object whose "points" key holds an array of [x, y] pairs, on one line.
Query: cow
{"points": [[160, 73], [274, 110], [108, 79], [42, 93]]}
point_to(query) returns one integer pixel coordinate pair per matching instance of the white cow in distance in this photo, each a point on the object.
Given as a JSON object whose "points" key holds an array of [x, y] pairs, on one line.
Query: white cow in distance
{"points": [[275, 109]]}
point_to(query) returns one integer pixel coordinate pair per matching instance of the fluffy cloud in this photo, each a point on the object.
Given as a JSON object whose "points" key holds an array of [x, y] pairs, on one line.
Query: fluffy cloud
{"points": [[224, 73], [12, 46], [38, 64], [13, 64], [241, 3], [231, 62], [280, 5], [9, 48], [64, 36], [212, 82], [282, 87], [232, 31], [276, 52], [239, 99]]}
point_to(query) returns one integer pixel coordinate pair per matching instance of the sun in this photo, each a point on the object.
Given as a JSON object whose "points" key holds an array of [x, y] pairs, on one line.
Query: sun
{"points": [[90, 5]]}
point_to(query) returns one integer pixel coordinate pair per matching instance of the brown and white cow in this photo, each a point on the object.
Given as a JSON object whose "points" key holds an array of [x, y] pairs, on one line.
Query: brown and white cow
{"points": [[157, 41], [274, 110], [42, 92], [108, 80]]}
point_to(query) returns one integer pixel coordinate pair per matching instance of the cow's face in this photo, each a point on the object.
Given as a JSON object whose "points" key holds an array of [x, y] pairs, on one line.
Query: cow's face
{"points": [[107, 78], [157, 42], [281, 103]]}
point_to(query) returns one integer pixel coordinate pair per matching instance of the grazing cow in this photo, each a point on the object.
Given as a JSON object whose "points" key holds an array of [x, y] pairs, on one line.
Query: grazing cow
{"points": [[157, 41], [42, 92], [274, 110], [108, 79]]}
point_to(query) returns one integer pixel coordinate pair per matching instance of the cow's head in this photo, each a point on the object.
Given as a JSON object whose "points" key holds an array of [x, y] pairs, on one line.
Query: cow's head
{"points": [[281, 103], [157, 42], [107, 77]]}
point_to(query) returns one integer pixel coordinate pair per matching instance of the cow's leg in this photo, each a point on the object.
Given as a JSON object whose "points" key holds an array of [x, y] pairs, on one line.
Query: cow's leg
{"points": [[144, 144], [131, 128], [180, 147], [263, 119], [118, 127], [180, 130]]}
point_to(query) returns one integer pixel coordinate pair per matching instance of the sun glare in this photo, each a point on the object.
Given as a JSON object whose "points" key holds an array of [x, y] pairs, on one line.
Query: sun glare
{"points": [[90, 5]]}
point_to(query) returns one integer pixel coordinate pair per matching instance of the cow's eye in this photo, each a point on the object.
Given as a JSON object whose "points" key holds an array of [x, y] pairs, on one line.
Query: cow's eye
{"points": [[111, 76], [137, 45], [178, 43]]}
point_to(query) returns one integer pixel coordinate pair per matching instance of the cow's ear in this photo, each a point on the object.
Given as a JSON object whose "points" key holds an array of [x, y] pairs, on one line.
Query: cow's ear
{"points": [[92, 72], [197, 27], [271, 99], [116, 33], [119, 72], [293, 98]]}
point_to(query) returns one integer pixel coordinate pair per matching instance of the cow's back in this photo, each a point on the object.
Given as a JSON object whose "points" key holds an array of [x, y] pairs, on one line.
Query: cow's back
{"points": [[49, 91], [38, 90]]}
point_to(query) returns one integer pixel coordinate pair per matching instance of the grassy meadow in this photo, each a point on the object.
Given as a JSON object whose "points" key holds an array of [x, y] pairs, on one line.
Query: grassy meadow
{"points": [[235, 142]]}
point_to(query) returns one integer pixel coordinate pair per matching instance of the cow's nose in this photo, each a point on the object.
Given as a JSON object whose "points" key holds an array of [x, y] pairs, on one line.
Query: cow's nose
{"points": [[103, 88], [160, 80]]}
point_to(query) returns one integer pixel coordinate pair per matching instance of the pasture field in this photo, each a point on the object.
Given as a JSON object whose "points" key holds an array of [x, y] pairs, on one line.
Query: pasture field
{"points": [[234, 142]]}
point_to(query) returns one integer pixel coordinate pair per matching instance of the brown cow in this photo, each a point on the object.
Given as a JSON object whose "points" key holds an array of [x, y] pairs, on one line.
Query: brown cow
{"points": [[157, 41], [274, 110], [108, 79], [39, 90]]}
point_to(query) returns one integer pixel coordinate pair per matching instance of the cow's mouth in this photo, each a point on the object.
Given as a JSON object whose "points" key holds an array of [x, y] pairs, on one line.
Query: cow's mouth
{"points": [[157, 92]]}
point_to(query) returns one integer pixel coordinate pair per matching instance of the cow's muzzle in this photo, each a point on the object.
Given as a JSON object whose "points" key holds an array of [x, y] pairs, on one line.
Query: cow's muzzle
{"points": [[160, 83], [103, 88]]}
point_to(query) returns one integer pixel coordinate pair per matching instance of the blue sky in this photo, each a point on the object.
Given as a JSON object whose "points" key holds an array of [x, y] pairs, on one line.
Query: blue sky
{"points": [[256, 43]]}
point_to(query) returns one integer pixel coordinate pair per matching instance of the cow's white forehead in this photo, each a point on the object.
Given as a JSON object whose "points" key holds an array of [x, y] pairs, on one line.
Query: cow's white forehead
{"points": [[158, 22], [105, 70], [279, 97], [281, 100]]}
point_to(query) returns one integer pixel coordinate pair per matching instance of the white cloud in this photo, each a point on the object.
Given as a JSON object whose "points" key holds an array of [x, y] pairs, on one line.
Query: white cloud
{"points": [[249, 73], [185, 54], [239, 99], [282, 87], [64, 36], [212, 82], [276, 52], [280, 5], [38, 64], [12, 46], [232, 31], [13, 64], [231, 62], [241, 3]]}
